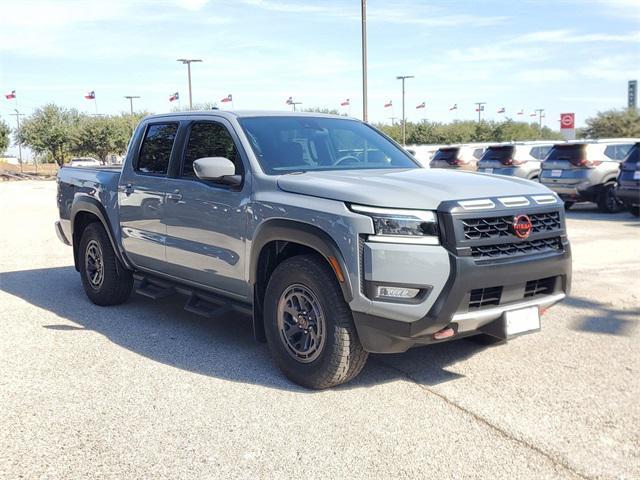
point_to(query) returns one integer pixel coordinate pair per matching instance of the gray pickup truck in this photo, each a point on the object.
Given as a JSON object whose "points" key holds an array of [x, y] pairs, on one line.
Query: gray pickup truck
{"points": [[322, 229]]}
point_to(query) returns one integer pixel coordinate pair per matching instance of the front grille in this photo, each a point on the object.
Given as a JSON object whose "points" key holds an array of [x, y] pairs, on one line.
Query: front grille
{"points": [[482, 297], [521, 248], [543, 286], [496, 227]]}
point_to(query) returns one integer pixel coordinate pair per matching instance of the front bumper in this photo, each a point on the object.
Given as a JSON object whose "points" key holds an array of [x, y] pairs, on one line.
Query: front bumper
{"points": [[450, 309]]}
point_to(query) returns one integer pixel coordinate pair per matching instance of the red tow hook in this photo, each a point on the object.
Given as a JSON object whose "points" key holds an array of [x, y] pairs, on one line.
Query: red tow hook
{"points": [[444, 333]]}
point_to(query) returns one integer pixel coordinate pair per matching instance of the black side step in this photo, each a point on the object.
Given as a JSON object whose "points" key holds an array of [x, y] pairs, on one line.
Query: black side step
{"points": [[154, 288], [207, 304]]}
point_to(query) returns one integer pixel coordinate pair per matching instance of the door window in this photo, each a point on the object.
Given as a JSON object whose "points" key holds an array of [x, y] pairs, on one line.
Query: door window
{"points": [[156, 148], [209, 139]]}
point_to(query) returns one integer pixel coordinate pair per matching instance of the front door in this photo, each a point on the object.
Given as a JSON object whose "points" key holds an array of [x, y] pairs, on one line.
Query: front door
{"points": [[206, 221], [141, 197]]}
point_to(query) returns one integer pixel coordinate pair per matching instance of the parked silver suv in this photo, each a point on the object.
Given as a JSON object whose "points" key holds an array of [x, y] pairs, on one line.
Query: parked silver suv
{"points": [[586, 171], [522, 159]]}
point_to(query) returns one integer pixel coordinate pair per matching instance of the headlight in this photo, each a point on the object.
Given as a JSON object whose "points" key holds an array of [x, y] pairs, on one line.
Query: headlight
{"points": [[401, 226]]}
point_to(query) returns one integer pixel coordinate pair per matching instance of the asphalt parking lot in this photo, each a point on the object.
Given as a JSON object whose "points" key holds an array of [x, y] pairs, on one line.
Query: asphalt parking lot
{"points": [[147, 390]]}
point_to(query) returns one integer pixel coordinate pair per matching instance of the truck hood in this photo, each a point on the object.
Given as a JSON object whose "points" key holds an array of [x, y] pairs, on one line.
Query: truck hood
{"points": [[414, 188]]}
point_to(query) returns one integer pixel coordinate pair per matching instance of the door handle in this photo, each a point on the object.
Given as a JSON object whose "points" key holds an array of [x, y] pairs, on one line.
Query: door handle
{"points": [[175, 196], [127, 189]]}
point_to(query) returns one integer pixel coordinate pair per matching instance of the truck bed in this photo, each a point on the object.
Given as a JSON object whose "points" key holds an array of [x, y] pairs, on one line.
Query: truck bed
{"points": [[99, 183]]}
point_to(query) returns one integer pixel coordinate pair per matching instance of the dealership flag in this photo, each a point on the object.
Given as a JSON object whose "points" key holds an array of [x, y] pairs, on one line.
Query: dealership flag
{"points": [[501, 110], [228, 98], [289, 101], [90, 95], [534, 114], [388, 104], [422, 105], [11, 95], [174, 97], [346, 103], [481, 109], [455, 107], [521, 112]]}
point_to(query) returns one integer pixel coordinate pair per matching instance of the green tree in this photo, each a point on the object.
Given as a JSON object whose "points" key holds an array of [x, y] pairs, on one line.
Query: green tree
{"points": [[5, 131], [101, 136], [612, 124], [50, 131], [332, 111], [468, 131]]}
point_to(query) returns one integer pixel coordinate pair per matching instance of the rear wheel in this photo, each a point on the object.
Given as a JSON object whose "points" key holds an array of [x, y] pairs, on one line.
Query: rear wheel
{"points": [[635, 211], [568, 205], [105, 280], [308, 325], [608, 201]]}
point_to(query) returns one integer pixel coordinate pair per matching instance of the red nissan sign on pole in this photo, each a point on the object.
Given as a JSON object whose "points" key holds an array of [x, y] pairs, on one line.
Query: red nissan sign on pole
{"points": [[568, 125]]}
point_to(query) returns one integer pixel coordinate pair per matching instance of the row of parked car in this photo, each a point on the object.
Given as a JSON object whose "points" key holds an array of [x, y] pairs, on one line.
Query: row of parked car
{"points": [[605, 171]]}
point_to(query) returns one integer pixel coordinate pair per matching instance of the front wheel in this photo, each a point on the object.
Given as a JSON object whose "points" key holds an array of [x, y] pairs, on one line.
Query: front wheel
{"points": [[309, 326], [635, 210], [608, 201], [105, 280]]}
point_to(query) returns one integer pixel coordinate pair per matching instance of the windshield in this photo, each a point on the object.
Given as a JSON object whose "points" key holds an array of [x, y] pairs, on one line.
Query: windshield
{"points": [[292, 144]]}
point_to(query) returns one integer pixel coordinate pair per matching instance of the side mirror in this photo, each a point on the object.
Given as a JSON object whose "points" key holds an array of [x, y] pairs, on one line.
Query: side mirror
{"points": [[217, 169]]}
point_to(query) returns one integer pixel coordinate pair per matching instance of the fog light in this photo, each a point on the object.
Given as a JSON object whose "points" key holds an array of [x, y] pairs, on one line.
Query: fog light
{"points": [[396, 292]]}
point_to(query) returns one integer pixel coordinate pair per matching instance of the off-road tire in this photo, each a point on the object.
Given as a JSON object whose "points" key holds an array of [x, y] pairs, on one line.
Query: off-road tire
{"points": [[607, 200], [342, 356], [117, 281]]}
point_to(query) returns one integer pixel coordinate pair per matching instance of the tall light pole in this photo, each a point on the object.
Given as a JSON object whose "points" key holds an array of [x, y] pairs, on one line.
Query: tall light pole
{"points": [[18, 115], [188, 62], [404, 118], [365, 113], [540, 112], [480, 108], [131, 97]]}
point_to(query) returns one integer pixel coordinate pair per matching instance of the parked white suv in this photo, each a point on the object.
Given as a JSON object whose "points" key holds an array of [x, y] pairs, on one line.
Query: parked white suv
{"points": [[586, 171], [84, 162], [463, 157], [521, 159], [423, 153]]}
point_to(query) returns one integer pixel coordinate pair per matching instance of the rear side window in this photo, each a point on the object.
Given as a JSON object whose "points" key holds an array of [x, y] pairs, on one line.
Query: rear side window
{"points": [[156, 148], [209, 139], [617, 152], [540, 153], [477, 153], [446, 154]]}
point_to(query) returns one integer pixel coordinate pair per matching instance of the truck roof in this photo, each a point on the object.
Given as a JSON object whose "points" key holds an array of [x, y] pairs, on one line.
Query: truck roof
{"points": [[245, 114]]}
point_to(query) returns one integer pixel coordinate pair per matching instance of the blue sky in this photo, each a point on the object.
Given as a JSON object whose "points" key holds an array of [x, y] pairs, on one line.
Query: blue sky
{"points": [[573, 56]]}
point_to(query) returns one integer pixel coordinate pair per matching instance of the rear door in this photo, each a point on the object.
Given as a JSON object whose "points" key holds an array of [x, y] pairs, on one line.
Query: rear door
{"points": [[495, 158], [445, 157], [141, 197], [206, 221], [564, 164]]}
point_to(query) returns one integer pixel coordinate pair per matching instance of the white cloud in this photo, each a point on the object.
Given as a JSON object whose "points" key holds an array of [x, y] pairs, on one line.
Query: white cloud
{"points": [[193, 5], [570, 36], [620, 67]]}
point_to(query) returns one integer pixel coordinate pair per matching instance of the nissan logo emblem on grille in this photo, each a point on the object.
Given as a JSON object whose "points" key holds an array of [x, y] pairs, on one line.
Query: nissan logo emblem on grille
{"points": [[521, 226]]}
